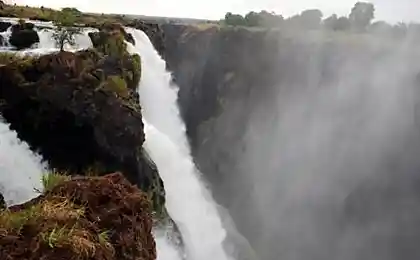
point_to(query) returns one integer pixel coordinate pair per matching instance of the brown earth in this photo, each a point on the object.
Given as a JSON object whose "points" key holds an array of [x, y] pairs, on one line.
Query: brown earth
{"points": [[82, 218]]}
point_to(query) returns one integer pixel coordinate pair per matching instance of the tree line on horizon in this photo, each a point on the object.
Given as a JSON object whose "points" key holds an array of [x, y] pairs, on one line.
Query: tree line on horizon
{"points": [[360, 19]]}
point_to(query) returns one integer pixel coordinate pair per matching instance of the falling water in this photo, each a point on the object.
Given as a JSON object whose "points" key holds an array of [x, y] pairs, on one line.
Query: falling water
{"points": [[188, 201], [21, 169]]}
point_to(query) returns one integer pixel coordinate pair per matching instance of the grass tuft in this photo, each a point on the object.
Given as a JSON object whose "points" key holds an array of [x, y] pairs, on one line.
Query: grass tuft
{"points": [[62, 211], [52, 179]]}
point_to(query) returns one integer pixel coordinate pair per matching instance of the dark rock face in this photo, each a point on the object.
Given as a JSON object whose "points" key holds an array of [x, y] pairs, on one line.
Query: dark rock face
{"points": [[2, 202], [78, 111], [23, 35], [221, 71], [211, 64], [4, 26]]}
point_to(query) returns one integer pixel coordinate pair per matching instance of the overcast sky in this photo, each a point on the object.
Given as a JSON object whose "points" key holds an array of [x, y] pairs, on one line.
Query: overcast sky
{"points": [[391, 10]]}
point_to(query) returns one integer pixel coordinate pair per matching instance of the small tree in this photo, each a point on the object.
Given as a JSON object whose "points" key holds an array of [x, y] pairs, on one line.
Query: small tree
{"points": [[362, 15], [65, 30]]}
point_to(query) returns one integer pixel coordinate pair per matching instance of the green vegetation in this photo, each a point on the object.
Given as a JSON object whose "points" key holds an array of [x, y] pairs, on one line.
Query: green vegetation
{"points": [[136, 60], [114, 46], [262, 18], [118, 85], [361, 15], [65, 31], [47, 14], [7, 57], [78, 221], [58, 223], [360, 19], [61, 211], [52, 179], [24, 60]]}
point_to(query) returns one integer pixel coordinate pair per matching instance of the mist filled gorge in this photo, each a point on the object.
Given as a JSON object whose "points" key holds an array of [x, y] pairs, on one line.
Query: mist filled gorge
{"points": [[310, 140]]}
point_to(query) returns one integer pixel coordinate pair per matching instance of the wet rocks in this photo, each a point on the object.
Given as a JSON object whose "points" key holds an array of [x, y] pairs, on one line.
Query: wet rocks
{"points": [[23, 35], [2, 202], [4, 26]]}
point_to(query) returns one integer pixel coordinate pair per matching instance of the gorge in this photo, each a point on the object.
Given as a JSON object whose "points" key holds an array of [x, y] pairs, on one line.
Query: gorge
{"points": [[307, 139]]}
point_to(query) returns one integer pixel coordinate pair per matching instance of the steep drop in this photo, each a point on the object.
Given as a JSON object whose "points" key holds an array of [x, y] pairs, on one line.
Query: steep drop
{"points": [[188, 201]]}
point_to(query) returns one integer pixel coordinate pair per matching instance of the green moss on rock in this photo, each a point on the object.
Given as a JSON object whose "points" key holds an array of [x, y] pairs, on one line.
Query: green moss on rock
{"points": [[109, 43], [118, 85], [136, 61]]}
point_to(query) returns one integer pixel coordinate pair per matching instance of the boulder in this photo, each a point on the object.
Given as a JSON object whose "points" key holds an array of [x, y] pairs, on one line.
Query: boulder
{"points": [[4, 25], [113, 28], [96, 218], [23, 35], [116, 27]]}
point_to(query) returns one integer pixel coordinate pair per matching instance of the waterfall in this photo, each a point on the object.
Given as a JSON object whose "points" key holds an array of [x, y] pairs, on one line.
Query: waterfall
{"points": [[188, 202], [20, 169]]}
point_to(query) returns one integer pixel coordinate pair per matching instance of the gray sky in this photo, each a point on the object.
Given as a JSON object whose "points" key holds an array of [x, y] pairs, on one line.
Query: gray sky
{"points": [[391, 10]]}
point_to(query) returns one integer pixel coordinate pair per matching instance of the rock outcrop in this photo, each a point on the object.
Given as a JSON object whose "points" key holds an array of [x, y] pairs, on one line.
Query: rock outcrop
{"points": [[23, 35], [4, 26], [213, 63], [110, 29], [80, 218], [81, 111], [2, 202]]}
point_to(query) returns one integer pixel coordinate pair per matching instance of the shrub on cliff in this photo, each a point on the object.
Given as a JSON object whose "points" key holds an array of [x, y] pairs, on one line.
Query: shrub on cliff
{"points": [[65, 31], [80, 218], [109, 43]]}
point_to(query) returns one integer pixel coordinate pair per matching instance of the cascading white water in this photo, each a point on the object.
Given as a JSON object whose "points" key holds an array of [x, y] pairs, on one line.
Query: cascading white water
{"points": [[46, 42], [20, 169], [188, 202], [157, 95]]}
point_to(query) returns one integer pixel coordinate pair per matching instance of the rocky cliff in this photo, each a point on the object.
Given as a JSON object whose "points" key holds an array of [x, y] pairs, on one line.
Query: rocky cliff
{"points": [[276, 140], [81, 110]]}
